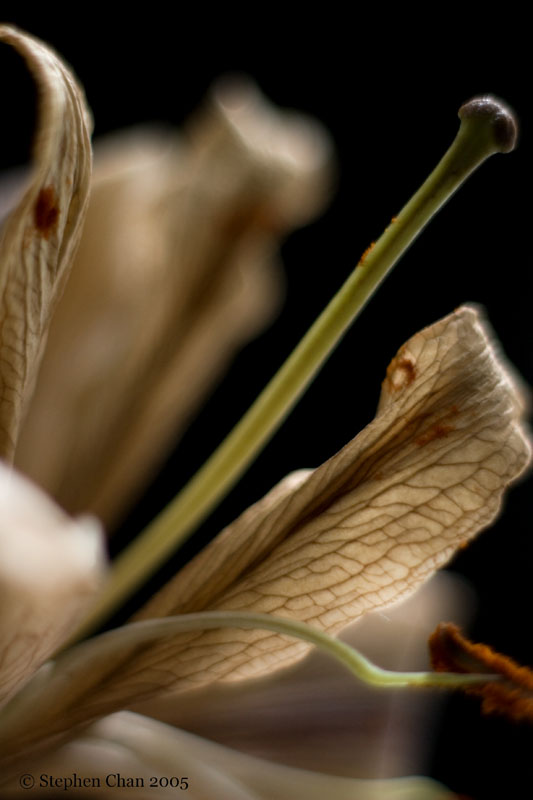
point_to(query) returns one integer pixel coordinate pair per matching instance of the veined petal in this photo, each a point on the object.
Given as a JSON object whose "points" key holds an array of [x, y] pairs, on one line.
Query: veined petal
{"points": [[359, 533], [370, 525], [214, 771], [39, 237], [173, 274], [51, 567], [292, 717]]}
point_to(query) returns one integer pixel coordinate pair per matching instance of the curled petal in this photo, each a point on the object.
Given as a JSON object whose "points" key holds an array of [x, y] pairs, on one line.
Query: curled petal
{"points": [[40, 235], [51, 567], [370, 525]]}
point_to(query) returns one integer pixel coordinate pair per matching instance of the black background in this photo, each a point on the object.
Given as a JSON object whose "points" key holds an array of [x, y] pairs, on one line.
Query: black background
{"points": [[388, 88]]}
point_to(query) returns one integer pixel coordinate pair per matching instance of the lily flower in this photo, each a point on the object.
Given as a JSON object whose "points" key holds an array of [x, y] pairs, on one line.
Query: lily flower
{"points": [[321, 550]]}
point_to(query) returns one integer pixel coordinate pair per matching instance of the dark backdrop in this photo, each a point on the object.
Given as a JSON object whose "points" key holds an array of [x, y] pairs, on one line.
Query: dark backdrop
{"points": [[388, 90]]}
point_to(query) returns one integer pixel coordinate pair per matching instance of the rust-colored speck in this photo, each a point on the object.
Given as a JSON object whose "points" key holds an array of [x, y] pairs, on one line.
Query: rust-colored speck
{"points": [[401, 372], [511, 695], [408, 368], [437, 431], [393, 219], [367, 251], [46, 211]]}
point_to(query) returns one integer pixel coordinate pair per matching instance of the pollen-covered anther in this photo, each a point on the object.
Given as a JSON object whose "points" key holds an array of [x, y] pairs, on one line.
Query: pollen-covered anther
{"points": [[512, 695]]}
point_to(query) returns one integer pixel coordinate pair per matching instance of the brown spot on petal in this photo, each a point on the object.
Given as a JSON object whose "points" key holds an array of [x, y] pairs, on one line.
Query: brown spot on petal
{"points": [[46, 211], [450, 651], [401, 372]]}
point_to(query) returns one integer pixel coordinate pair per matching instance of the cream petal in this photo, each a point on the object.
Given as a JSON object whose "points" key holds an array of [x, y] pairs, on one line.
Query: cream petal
{"points": [[39, 237], [214, 771], [174, 272], [51, 568]]}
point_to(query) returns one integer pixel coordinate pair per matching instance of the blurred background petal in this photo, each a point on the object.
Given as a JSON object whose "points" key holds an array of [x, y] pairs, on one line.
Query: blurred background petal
{"points": [[154, 752], [176, 270]]}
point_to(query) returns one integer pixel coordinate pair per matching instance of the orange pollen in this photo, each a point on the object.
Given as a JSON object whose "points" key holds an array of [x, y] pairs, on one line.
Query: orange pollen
{"points": [[512, 695], [367, 251]]}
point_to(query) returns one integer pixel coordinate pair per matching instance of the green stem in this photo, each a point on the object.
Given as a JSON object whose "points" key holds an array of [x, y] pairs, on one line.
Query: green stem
{"points": [[105, 647], [74, 666], [481, 134]]}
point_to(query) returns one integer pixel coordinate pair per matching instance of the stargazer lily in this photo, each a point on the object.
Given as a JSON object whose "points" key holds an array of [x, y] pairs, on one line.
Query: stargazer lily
{"points": [[321, 550]]}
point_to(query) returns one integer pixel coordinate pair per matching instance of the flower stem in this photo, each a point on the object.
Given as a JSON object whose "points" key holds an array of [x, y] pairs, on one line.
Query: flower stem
{"points": [[74, 666], [486, 127], [104, 647]]}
